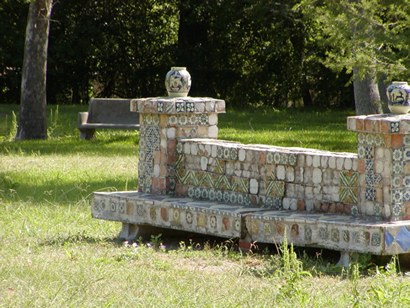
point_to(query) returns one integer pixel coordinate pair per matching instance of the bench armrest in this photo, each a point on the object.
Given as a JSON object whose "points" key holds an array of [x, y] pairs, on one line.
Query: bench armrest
{"points": [[82, 118]]}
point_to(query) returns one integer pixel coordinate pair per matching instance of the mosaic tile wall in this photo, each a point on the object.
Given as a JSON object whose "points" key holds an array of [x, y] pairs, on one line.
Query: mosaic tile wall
{"points": [[268, 177], [383, 164], [163, 121], [189, 180]]}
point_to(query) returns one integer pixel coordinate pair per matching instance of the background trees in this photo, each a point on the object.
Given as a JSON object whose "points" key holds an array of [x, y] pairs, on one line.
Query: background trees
{"points": [[254, 52]]}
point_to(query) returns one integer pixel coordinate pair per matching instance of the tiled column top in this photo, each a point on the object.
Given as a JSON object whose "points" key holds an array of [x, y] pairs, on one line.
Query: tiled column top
{"points": [[380, 124], [177, 105]]}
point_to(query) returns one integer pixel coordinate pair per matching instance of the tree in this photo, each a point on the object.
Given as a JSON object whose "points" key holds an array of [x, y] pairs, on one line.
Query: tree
{"points": [[33, 102], [366, 38]]}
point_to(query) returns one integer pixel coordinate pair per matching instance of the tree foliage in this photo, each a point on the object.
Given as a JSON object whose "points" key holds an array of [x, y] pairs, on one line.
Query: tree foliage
{"points": [[368, 35], [265, 52]]}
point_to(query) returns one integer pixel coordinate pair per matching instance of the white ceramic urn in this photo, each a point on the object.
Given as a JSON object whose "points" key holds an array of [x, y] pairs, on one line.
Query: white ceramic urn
{"points": [[178, 82], [398, 94]]}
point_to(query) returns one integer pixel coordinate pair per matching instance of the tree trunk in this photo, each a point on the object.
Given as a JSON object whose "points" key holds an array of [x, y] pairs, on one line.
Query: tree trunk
{"points": [[366, 95], [33, 102]]}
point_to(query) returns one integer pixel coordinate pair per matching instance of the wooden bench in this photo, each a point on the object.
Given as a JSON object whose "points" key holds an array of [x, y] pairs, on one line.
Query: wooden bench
{"points": [[106, 113]]}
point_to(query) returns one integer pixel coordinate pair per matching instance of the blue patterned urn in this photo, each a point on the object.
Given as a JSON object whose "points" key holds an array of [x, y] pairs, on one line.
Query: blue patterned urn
{"points": [[178, 82], [398, 94]]}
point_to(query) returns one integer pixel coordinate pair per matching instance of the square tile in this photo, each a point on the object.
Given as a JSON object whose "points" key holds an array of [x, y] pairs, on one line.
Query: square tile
{"points": [[394, 127], [369, 152], [370, 193], [180, 107], [397, 154]]}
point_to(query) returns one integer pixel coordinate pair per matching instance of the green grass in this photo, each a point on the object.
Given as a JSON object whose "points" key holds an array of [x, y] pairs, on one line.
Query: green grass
{"points": [[52, 253]]}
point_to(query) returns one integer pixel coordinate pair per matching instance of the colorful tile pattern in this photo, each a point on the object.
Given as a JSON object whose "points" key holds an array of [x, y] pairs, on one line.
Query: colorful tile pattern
{"points": [[267, 193], [337, 232]]}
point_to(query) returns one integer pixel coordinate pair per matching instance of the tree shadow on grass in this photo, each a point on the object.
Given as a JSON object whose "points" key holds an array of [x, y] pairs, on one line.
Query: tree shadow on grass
{"points": [[119, 144]]}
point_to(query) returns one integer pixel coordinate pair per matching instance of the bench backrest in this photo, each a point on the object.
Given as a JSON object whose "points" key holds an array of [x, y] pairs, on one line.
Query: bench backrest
{"points": [[111, 111]]}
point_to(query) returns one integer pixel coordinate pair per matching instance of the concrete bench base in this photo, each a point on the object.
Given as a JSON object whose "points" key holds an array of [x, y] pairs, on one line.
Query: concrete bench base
{"points": [[140, 211]]}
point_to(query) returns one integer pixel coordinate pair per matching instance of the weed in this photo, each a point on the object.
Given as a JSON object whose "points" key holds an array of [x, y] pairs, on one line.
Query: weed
{"points": [[292, 272], [13, 127], [53, 122]]}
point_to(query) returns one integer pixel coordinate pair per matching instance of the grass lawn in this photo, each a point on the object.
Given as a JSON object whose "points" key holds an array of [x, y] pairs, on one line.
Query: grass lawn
{"points": [[52, 253]]}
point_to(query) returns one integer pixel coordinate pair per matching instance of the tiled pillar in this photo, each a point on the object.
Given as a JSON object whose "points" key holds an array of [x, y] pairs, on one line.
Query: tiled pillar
{"points": [[383, 165], [163, 121]]}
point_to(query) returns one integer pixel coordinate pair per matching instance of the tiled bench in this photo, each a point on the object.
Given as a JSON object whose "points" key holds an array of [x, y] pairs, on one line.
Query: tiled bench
{"points": [[249, 224], [191, 181]]}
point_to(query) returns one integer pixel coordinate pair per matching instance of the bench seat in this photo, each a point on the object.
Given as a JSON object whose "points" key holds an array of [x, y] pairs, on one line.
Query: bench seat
{"points": [[107, 113], [253, 224]]}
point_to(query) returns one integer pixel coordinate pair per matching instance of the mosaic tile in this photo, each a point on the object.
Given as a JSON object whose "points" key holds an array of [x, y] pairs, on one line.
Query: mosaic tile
{"points": [[349, 178], [222, 183], [403, 238], [372, 179], [334, 235], [369, 165], [354, 210], [362, 237], [276, 158], [180, 107], [370, 140], [378, 140], [233, 155], [394, 127], [284, 159], [239, 184], [369, 152], [407, 153], [219, 195], [396, 181], [206, 180], [308, 234], [397, 154], [160, 106], [182, 120], [292, 159], [376, 239], [346, 236], [361, 138], [203, 119], [406, 140], [370, 193], [172, 120], [180, 148], [406, 195], [226, 196], [377, 209], [275, 188], [190, 107], [397, 209], [227, 152], [220, 152], [361, 152], [396, 196], [172, 183], [241, 199], [323, 233], [348, 195], [233, 198], [397, 167], [191, 192], [269, 158], [192, 119], [212, 194]]}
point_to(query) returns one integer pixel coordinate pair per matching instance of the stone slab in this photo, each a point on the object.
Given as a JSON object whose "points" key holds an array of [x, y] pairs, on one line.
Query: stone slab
{"points": [[205, 217], [330, 231]]}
